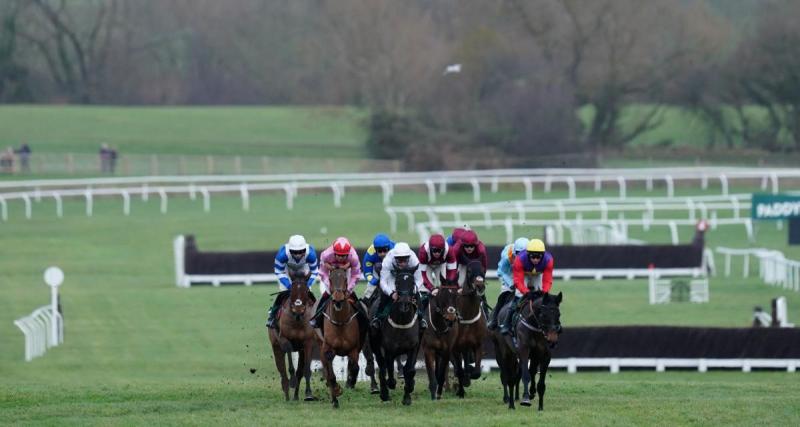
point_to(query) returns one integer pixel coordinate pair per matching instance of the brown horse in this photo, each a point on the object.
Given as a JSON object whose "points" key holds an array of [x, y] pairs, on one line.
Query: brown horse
{"points": [[472, 328], [439, 337], [537, 331], [343, 334], [294, 334]]}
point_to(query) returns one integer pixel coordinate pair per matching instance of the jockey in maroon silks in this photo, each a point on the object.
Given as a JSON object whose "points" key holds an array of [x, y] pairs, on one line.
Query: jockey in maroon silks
{"points": [[532, 271], [469, 248], [437, 263]]}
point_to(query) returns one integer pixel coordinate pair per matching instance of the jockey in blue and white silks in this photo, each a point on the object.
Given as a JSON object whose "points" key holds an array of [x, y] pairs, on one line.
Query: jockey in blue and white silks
{"points": [[295, 257], [505, 274], [373, 258]]}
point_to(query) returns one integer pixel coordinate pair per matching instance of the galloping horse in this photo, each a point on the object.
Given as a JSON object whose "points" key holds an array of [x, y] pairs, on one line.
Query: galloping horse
{"points": [[537, 331], [439, 337], [343, 335], [472, 328], [294, 334], [399, 334]]}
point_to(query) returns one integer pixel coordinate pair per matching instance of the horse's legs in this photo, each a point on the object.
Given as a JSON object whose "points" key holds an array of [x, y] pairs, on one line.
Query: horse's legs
{"points": [[327, 361], [540, 386], [430, 367], [478, 354], [468, 357], [298, 374], [442, 363], [459, 371], [352, 368], [390, 380], [280, 363], [307, 348], [380, 357], [409, 371], [526, 376], [370, 368], [292, 376]]}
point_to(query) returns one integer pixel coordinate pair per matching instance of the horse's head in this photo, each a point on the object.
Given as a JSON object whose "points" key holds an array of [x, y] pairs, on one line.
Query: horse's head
{"points": [[444, 303], [339, 292], [476, 279], [298, 297], [548, 316], [404, 285]]}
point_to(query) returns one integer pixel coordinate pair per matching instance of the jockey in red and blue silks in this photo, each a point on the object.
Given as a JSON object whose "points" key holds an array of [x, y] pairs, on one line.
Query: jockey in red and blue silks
{"points": [[381, 245], [296, 257], [532, 270], [508, 255]]}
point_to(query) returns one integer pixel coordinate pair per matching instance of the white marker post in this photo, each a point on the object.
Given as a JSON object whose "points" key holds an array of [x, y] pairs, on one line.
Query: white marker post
{"points": [[53, 276]]}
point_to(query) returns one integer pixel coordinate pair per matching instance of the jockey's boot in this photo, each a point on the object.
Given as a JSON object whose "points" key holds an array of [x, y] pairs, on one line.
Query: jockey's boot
{"points": [[376, 316], [316, 321], [505, 328], [485, 307], [424, 300], [272, 312]]}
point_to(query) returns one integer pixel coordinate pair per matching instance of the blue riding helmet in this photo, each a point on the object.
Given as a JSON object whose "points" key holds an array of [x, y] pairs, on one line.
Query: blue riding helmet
{"points": [[382, 241], [520, 245]]}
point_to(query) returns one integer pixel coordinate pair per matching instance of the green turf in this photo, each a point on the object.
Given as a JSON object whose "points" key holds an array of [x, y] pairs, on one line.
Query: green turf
{"points": [[140, 350], [262, 131]]}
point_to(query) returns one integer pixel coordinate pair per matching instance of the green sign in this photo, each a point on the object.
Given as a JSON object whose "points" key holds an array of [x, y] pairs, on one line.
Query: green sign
{"points": [[775, 206]]}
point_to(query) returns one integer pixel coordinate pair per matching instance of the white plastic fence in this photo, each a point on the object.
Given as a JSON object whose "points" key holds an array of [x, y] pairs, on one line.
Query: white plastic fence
{"points": [[291, 184], [37, 328], [773, 267], [660, 290], [694, 207], [425, 229]]}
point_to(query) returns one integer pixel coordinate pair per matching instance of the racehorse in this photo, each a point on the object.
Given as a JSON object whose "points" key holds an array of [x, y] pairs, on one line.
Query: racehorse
{"points": [[342, 336], [294, 334], [472, 328], [439, 338], [398, 335], [537, 331]]}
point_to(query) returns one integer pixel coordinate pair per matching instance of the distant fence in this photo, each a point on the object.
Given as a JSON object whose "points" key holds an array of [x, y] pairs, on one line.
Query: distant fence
{"points": [[193, 266], [773, 267], [176, 164]]}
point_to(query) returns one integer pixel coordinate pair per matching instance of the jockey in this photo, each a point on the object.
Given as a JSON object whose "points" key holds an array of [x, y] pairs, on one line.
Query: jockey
{"points": [[401, 257], [381, 245], [295, 256], [437, 263], [507, 257], [469, 249], [456, 235], [339, 255], [533, 270]]}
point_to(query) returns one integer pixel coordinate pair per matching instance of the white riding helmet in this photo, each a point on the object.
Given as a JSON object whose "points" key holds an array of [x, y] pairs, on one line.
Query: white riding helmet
{"points": [[520, 245], [401, 249], [297, 243]]}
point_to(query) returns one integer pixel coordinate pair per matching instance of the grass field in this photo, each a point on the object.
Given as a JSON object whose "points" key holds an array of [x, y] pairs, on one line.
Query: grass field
{"points": [[139, 350], [297, 132], [273, 131]]}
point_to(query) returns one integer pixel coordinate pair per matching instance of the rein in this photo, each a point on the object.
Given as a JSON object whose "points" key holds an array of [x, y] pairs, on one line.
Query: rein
{"points": [[433, 324], [337, 323]]}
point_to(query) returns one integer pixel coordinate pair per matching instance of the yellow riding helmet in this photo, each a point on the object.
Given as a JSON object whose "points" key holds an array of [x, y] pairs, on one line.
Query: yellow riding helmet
{"points": [[535, 245]]}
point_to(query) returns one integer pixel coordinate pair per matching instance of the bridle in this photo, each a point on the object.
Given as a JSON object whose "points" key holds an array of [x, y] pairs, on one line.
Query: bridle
{"points": [[448, 324], [339, 288]]}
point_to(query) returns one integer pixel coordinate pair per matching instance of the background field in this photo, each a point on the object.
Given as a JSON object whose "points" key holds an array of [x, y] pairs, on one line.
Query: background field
{"points": [[140, 350], [293, 132]]}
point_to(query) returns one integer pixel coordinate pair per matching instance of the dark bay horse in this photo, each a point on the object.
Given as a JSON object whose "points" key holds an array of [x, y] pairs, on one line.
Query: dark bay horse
{"points": [[472, 329], [343, 334], [537, 331], [294, 334], [399, 335], [439, 338]]}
